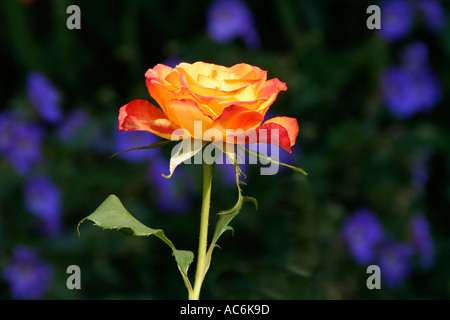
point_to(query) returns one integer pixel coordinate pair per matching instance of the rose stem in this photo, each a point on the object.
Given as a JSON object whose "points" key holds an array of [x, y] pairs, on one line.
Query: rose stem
{"points": [[203, 237]]}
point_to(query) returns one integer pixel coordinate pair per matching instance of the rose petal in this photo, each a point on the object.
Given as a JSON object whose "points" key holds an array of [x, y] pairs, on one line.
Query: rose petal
{"points": [[144, 116], [187, 114], [290, 124], [269, 92], [205, 93], [280, 131], [160, 71], [221, 98], [207, 98], [238, 118], [273, 133], [266, 97], [246, 71], [236, 84]]}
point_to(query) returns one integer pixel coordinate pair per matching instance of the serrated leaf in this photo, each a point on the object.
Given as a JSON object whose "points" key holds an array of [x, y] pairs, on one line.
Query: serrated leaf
{"points": [[232, 156], [111, 214], [184, 259], [225, 218]]}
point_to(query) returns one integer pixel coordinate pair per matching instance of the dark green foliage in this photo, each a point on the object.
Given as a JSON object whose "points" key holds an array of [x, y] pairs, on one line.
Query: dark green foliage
{"points": [[354, 151]]}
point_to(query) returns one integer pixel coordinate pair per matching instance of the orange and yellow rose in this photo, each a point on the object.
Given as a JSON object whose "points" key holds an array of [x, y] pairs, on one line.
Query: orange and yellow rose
{"points": [[218, 97]]}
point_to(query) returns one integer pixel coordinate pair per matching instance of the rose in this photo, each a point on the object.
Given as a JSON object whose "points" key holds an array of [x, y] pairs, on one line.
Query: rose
{"points": [[233, 99]]}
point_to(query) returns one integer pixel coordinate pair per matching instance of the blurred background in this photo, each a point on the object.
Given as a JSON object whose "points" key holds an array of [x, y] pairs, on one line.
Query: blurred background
{"points": [[374, 138]]}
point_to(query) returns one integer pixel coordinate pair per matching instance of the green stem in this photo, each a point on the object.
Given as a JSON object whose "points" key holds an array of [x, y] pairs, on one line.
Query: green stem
{"points": [[203, 238]]}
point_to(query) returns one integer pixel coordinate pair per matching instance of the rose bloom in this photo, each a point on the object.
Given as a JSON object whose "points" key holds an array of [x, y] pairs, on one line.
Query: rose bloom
{"points": [[232, 101]]}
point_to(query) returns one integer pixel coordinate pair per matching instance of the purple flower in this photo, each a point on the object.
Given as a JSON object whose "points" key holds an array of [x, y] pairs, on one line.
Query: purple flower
{"points": [[396, 19], [73, 124], [409, 92], [172, 62], [422, 240], [395, 263], [25, 151], [43, 97], [227, 173], [396, 87], [427, 89], [7, 122], [28, 276], [171, 195], [230, 19], [42, 198], [363, 232], [433, 14], [124, 140], [414, 56]]}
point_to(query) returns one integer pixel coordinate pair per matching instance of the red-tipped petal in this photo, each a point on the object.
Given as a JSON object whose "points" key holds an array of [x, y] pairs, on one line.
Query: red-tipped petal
{"points": [[143, 116], [273, 133], [236, 117], [290, 124], [280, 131]]}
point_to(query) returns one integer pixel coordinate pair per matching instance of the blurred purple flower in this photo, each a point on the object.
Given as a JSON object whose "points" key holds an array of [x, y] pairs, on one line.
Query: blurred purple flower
{"points": [[25, 151], [79, 131], [43, 97], [230, 19], [173, 62], [73, 124], [28, 276], [395, 263], [172, 195], [396, 87], [414, 56], [102, 143], [409, 92], [227, 173], [8, 120], [427, 89], [396, 19], [363, 233], [124, 140], [433, 14], [422, 240], [42, 198], [414, 59]]}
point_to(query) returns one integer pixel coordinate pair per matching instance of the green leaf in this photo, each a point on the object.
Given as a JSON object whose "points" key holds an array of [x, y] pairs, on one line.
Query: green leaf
{"points": [[225, 217], [223, 225], [267, 158], [184, 259], [233, 157], [111, 214]]}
